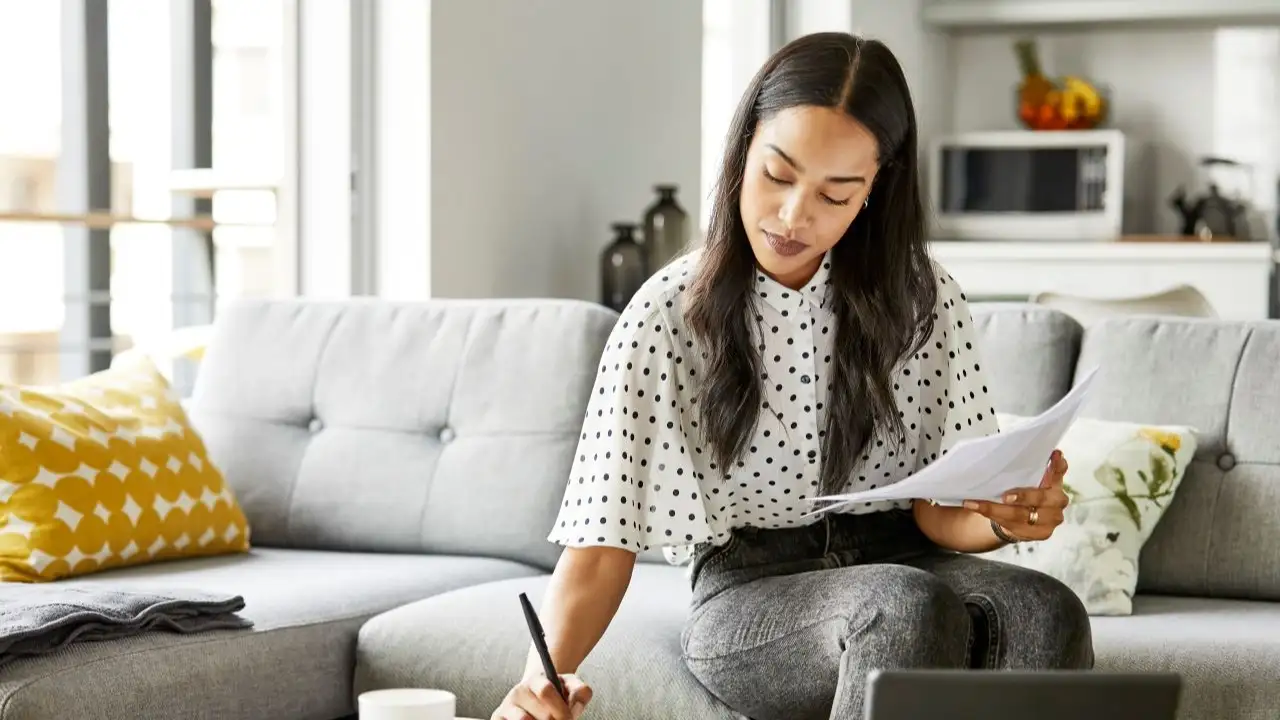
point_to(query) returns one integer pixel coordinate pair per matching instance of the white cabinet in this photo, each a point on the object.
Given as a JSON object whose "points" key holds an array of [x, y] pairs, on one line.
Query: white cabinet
{"points": [[1234, 277]]}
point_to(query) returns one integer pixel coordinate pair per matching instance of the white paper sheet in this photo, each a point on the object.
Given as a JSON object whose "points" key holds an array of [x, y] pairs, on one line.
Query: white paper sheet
{"points": [[984, 468]]}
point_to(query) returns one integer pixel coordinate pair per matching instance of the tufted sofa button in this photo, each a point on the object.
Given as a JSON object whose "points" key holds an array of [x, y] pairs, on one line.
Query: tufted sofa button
{"points": [[1226, 461], [316, 425], [447, 435]]}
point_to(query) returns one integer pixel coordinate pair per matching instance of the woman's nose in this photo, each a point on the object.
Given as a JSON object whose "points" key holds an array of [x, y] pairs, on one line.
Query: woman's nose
{"points": [[794, 213]]}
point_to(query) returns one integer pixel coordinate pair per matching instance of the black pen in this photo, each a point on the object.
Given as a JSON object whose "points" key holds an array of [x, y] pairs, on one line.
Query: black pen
{"points": [[540, 643]]}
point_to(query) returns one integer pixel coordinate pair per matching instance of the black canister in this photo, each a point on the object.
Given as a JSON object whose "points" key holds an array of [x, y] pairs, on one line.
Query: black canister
{"points": [[623, 268], [666, 228]]}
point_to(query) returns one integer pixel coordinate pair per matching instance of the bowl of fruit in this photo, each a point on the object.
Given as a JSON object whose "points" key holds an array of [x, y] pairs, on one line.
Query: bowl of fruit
{"points": [[1067, 103]]}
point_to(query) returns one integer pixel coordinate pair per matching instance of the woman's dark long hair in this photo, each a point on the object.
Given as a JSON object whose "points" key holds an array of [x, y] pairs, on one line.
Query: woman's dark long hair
{"points": [[882, 280]]}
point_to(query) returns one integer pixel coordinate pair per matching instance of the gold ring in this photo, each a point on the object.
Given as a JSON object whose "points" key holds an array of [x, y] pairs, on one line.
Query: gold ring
{"points": [[1034, 517]]}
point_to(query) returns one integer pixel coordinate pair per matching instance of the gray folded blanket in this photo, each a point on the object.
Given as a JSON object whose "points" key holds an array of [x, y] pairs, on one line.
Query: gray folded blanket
{"points": [[39, 619]]}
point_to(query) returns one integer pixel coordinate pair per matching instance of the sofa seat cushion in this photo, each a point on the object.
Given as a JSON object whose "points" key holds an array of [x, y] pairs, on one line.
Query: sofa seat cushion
{"points": [[307, 607], [474, 642], [1227, 651]]}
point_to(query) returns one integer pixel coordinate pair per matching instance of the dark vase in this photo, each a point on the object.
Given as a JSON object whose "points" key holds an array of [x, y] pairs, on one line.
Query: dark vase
{"points": [[622, 267], [666, 228]]}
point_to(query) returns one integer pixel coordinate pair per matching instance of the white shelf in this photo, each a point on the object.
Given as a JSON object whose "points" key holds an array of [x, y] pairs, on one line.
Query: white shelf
{"points": [[991, 14]]}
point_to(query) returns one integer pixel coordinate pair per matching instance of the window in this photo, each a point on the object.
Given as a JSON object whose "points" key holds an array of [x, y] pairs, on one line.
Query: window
{"points": [[246, 80], [74, 296], [736, 40], [248, 140], [139, 83], [247, 137], [31, 309]]}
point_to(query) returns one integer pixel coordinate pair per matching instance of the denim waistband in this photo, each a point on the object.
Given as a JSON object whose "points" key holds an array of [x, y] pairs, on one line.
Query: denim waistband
{"points": [[834, 540]]}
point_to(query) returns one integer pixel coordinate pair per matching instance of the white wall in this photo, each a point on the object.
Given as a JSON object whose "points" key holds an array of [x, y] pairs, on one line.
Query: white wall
{"points": [[810, 16], [549, 120]]}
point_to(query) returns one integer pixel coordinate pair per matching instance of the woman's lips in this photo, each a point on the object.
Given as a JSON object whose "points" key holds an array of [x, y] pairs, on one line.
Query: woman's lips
{"points": [[783, 246]]}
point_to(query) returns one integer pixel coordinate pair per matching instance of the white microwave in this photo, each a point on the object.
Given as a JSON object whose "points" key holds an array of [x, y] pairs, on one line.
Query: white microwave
{"points": [[1028, 185]]}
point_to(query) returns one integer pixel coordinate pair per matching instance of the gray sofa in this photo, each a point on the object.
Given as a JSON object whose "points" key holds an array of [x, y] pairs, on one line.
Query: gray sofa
{"points": [[401, 465]]}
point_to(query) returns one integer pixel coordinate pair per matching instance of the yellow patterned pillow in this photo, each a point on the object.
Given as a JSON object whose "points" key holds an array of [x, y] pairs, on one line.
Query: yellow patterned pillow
{"points": [[103, 472]]}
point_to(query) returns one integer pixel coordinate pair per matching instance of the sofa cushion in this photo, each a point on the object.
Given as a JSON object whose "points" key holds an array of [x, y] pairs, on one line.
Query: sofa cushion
{"points": [[106, 471], [435, 427], [296, 661], [474, 642], [1120, 479], [1221, 534], [1030, 352], [1227, 651]]}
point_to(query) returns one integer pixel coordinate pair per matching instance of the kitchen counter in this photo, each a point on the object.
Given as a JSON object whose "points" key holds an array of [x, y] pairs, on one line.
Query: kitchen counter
{"points": [[1248, 252], [1234, 277]]}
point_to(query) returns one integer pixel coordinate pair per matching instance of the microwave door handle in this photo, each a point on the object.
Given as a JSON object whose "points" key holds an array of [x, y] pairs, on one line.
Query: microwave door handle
{"points": [[1084, 175], [1084, 179], [1096, 199], [1101, 165], [1093, 180], [1097, 178]]}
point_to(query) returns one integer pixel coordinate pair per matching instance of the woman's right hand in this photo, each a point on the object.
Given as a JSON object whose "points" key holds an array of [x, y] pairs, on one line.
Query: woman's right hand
{"points": [[535, 698]]}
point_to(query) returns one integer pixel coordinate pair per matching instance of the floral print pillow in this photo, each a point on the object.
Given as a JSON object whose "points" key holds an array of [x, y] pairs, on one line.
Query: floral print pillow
{"points": [[1120, 480]]}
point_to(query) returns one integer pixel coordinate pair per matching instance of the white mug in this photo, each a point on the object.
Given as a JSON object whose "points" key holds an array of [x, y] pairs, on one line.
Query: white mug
{"points": [[407, 704]]}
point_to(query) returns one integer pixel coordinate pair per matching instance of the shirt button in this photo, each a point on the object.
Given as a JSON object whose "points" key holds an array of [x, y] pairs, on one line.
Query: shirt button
{"points": [[805, 379]]}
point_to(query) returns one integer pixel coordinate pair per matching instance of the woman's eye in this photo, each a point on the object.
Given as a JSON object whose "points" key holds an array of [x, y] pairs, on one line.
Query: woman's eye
{"points": [[771, 178], [779, 181]]}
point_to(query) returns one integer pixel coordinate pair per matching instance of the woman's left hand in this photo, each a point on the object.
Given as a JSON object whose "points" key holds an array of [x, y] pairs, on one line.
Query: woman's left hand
{"points": [[1030, 513]]}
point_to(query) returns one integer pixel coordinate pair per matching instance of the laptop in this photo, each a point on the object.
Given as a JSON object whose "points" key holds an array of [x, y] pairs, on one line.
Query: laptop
{"points": [[998, 694]]}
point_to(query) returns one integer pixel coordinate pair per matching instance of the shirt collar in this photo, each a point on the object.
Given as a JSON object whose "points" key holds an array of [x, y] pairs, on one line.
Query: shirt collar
{"points": [[815, 292]]}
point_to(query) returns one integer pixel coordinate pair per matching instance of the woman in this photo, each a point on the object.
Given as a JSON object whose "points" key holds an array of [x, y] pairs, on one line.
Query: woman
{"points": [[811, 347]]}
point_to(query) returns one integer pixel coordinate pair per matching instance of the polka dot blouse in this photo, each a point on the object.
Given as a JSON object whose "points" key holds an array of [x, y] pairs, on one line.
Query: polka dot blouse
{"points": [[642, 476]]}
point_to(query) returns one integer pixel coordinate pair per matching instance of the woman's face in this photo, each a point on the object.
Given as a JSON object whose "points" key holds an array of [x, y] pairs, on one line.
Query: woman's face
{"points": [[809, 170]]}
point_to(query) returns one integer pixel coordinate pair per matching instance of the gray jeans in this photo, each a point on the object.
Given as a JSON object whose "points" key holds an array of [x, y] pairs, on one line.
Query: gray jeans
{"points": [[788, 623]]}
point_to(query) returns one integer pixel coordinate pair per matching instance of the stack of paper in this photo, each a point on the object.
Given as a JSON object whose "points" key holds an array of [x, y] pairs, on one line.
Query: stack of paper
{"points": [[984, 468]]}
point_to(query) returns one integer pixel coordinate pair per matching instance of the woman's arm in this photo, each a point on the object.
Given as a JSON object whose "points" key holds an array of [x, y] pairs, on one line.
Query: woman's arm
{"points": [[955, 528], [584, 594], [581, 600]]}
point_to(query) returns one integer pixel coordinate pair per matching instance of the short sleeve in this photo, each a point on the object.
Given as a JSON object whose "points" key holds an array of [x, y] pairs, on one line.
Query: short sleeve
{"points": [[956, 387], [633, 484]]}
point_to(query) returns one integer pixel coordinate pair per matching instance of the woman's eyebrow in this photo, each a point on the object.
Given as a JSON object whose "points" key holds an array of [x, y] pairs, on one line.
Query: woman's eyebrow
{"points": [[798, 168]]}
